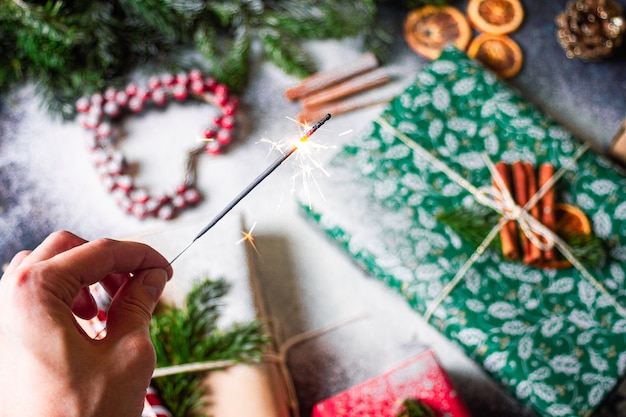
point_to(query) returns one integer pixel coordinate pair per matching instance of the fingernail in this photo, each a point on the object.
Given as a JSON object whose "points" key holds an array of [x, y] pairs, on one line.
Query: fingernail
{"points": [[154, 282]]}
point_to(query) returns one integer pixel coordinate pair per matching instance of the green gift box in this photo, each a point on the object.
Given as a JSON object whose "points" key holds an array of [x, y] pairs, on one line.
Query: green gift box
{"points": [[556, 338]]}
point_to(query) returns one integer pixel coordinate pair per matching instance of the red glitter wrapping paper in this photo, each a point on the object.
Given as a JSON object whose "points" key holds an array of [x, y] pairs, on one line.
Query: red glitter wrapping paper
{"points": [[420, 378]]}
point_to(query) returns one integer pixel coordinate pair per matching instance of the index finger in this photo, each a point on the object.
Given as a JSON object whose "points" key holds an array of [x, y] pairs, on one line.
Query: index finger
{"points": [[93, 261]]}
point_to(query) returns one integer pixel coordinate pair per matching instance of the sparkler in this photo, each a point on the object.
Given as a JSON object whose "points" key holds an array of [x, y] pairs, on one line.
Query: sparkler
{"points": [[282, 158]]}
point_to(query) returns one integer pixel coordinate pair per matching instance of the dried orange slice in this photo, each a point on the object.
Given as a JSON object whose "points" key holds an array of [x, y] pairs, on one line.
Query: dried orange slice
{"points": [[570, 220], [429, 29], [497, 17], [500, 53]]}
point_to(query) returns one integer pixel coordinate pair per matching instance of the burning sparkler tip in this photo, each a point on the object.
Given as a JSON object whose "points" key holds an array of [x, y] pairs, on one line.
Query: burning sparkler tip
{"points": [[318, 124]]}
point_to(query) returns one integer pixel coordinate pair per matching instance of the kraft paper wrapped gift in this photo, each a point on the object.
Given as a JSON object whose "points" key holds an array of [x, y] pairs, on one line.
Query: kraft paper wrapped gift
{"points": [[555, 338]]}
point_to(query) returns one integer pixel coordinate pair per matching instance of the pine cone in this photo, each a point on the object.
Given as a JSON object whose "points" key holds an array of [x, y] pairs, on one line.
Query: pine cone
{"points": [[590, 29]]}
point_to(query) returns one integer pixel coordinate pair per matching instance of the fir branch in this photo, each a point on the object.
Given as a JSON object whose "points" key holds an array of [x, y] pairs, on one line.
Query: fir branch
{"points": [[55, 43], [470, 224], [412, 407], [228, 57], [285, 54], [190, 334]]}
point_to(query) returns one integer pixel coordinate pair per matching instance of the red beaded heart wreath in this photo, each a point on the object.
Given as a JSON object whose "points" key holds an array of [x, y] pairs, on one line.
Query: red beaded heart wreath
{"points": [[99, 113]]}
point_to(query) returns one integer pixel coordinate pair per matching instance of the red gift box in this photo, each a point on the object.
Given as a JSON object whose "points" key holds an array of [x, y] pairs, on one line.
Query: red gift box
{"points": [[420, 378]]}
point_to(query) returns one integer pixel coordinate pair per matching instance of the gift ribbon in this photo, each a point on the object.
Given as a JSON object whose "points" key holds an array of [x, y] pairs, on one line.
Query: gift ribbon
{"points": [[504, 204]]}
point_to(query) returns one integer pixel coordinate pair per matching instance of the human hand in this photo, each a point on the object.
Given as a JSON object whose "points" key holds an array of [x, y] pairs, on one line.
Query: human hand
{"points": [[48, 365]]}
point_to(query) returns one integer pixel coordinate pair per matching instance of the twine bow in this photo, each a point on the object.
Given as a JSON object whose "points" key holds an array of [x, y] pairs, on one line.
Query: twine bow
{"points": [[503, 203]]}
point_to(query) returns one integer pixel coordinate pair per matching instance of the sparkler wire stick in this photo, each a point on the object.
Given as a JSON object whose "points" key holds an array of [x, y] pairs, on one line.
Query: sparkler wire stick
{"points": [[282, 158]]}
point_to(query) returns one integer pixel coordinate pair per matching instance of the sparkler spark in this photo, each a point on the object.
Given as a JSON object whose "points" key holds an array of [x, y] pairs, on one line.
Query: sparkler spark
{"points": [[282, 158], [247, 236], [307, 162]]}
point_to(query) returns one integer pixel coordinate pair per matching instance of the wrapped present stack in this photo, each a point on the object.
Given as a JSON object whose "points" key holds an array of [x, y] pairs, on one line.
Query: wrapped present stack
{"points": [[555, 337]]}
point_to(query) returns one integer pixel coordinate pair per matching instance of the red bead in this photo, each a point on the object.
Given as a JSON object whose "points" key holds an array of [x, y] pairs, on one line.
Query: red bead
{"points": [[182, 78], [179, 202], [105, 130], [97, 99], [227, 122], [131, 90], [166, 212], [152, 205], [125, 204], [154, 83], [209, 133], [195, 75], [213, 148], [221, 90], [224, 137], [121, 98], [139, 195], [197, 87], [230, 107], [90, 121], [119, 195], [181, 188], [124, 182], [142, 94], [82, 105], [135, 104], [139, 210], [159, 97], [112, 109], [109, 94], [179, 92], [192, 196], [167, 80], [163, 199], [220, 100], [210, 83]]}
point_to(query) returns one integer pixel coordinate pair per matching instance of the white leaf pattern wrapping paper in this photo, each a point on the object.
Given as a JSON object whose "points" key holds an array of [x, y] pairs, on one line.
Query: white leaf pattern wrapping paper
{"points": [[550, 336]]}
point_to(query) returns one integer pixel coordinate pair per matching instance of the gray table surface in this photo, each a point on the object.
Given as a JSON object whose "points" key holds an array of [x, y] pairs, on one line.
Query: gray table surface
{"points": [[47, 183]]}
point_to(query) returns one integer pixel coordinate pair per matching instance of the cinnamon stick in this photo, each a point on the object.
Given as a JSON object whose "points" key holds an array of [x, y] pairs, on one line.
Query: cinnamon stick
{"points": [[508, 233], [341, 106], [322, 80], [346, 88], [534, 253], [520, 185], [546, 171]]}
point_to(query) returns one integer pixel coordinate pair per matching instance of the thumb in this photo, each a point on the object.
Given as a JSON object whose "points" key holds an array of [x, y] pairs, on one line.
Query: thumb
{"points": [[132, 306]]}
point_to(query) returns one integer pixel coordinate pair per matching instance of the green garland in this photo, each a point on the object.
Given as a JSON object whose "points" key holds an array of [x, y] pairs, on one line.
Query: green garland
{"points": [[189, 334], [71, 49]]}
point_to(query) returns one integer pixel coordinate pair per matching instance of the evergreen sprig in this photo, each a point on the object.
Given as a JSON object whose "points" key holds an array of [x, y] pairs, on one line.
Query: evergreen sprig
{"points": [[71, 49], [412, 407], [190, 334]]}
